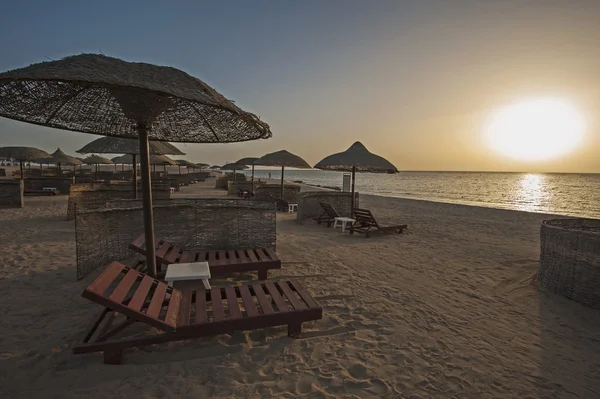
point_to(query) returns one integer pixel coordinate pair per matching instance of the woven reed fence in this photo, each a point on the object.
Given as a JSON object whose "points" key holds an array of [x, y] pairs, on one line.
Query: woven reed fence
{"points": [[87, 196], [570, 259], [290, 192], [104, 235], [309, 207], [222, 181]]}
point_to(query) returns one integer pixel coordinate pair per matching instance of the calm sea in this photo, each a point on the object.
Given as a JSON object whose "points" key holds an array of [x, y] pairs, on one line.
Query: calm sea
{"points": [[562, 194]]}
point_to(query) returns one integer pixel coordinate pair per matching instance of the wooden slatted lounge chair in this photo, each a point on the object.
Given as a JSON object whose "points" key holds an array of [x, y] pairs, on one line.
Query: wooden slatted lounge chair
{"points": [[366, 223], [183, 315], [220, 262], [328, 215]]}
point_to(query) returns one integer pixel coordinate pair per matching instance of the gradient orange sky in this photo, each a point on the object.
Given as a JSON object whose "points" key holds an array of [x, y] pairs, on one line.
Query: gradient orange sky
{"points": [[414, 81]]}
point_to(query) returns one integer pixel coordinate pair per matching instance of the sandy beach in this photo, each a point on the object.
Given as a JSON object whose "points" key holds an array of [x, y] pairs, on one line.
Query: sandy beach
{"points": [[448, 309]]}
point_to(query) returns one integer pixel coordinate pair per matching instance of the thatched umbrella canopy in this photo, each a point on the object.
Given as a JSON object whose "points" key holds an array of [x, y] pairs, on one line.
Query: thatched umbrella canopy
{"points": [[282, 158], [202, 165], [186, 163], [249, 161], [23, 154], [215, 167], [356, 159], [59, 158], [96, 160], [96, 94], [233, 166]]}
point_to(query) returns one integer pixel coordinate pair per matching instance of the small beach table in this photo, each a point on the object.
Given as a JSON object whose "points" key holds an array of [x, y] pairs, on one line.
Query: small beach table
{"points": [[292, 208], [187, 274], [343, 221]]}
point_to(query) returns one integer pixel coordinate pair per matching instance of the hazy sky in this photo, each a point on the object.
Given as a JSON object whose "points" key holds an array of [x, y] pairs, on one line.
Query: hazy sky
{"points": [[413, 80]]}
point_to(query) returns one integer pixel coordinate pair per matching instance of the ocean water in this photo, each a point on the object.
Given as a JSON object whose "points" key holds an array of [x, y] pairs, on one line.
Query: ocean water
{"points": [[555, 193]]}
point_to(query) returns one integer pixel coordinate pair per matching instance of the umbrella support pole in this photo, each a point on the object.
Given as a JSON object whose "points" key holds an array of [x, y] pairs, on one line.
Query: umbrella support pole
{"points": [[21, 167], [282, 182], [147, 201], [135, 176], [352, 200], [253, 179]]}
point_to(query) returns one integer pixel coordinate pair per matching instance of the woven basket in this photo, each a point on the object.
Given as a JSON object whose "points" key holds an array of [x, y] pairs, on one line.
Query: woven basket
{"points": [[570, 259]]}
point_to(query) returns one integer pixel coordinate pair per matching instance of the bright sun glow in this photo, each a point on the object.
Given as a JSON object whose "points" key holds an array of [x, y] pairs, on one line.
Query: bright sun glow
{"points": [[536, 129]]}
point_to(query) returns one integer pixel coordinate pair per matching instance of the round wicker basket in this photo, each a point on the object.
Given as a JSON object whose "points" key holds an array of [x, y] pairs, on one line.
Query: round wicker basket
{"points": [[570, 259]]}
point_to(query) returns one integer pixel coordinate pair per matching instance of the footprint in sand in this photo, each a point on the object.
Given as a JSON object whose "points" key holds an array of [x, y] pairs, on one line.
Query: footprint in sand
{"points": [[304, 384], [358, 371]]}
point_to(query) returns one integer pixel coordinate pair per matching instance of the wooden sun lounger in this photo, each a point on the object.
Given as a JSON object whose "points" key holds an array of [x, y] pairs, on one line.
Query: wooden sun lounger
{"points": [[329, 214], [366, 223], [188, 314], [281, 204], [220, 262], [40, 192]]}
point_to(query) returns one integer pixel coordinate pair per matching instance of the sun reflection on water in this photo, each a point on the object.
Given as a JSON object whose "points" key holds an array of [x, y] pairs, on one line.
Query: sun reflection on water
{"points": [[531, 194]]}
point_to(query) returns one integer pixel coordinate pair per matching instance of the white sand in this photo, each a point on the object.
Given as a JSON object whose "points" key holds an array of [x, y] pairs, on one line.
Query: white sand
{"points": [[446, 310]]}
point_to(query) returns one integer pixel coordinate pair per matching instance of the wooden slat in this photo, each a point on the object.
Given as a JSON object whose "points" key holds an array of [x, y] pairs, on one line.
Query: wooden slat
{"points": [[234, 258], [264, 302], [124, 286], [106, 278], [172, 256], [232, 303], [185, 309], [276, 296], [248, 301], [217, 304], [300, 289], [297, 303], [201, 312], [162, 249], [212, 257], [271, 253], [186, 257], [141, 293], [157, 300], [252, 256], [223, 258], [261, 255], [138, 242], [173, 308]]}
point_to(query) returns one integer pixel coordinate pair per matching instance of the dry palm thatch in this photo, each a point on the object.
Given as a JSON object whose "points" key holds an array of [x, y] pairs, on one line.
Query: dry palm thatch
{"points": [[246, 161], [96, 160], [202, 165], [282, 158], [356, 156], [127, 159], [96, 94], [23, 153], [117, 145], [183, 162], [59, 157], [233, 166]]}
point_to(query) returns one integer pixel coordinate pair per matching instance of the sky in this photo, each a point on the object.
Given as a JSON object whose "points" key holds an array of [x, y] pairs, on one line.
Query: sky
{"points": [[415, 82]]}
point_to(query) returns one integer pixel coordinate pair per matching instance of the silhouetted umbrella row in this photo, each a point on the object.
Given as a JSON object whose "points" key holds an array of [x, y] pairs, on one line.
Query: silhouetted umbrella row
{"points": [[96, 94], [23, 154]]}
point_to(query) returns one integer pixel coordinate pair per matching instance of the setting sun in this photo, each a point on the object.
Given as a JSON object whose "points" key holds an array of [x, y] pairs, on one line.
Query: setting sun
{"points": [[535, 129]]}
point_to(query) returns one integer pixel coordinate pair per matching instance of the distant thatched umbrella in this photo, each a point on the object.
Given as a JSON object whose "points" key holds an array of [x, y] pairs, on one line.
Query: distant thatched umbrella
{"points": [[187, 164], [356, 158], [96, 160], [282, 158], [233, 166], [215, 167], [96, 94], [119, 145], [22, 154], [248, 161], [59, 158]]}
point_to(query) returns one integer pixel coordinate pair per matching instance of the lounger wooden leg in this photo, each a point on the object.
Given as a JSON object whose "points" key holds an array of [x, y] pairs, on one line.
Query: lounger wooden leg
{"points": [[294, 330], [262, 274], [113, 356]]}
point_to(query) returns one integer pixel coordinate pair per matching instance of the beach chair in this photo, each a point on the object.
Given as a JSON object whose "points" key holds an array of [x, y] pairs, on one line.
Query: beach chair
{"points": [[221, 262], [281, 204], [328, 215], [366, 223], [182, 315]]}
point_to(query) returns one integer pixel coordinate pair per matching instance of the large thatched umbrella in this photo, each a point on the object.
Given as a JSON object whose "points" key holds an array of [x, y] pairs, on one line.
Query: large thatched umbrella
{"points": [[118, 145], [282, 158], [96, 94], [96, 160], [23, 154], [248, 161], [356, 159]]}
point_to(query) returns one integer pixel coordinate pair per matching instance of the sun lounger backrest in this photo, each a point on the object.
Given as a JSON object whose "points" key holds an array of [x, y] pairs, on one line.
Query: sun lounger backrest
{"points": [[365, 217], [329, 210], [136, 295]]}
